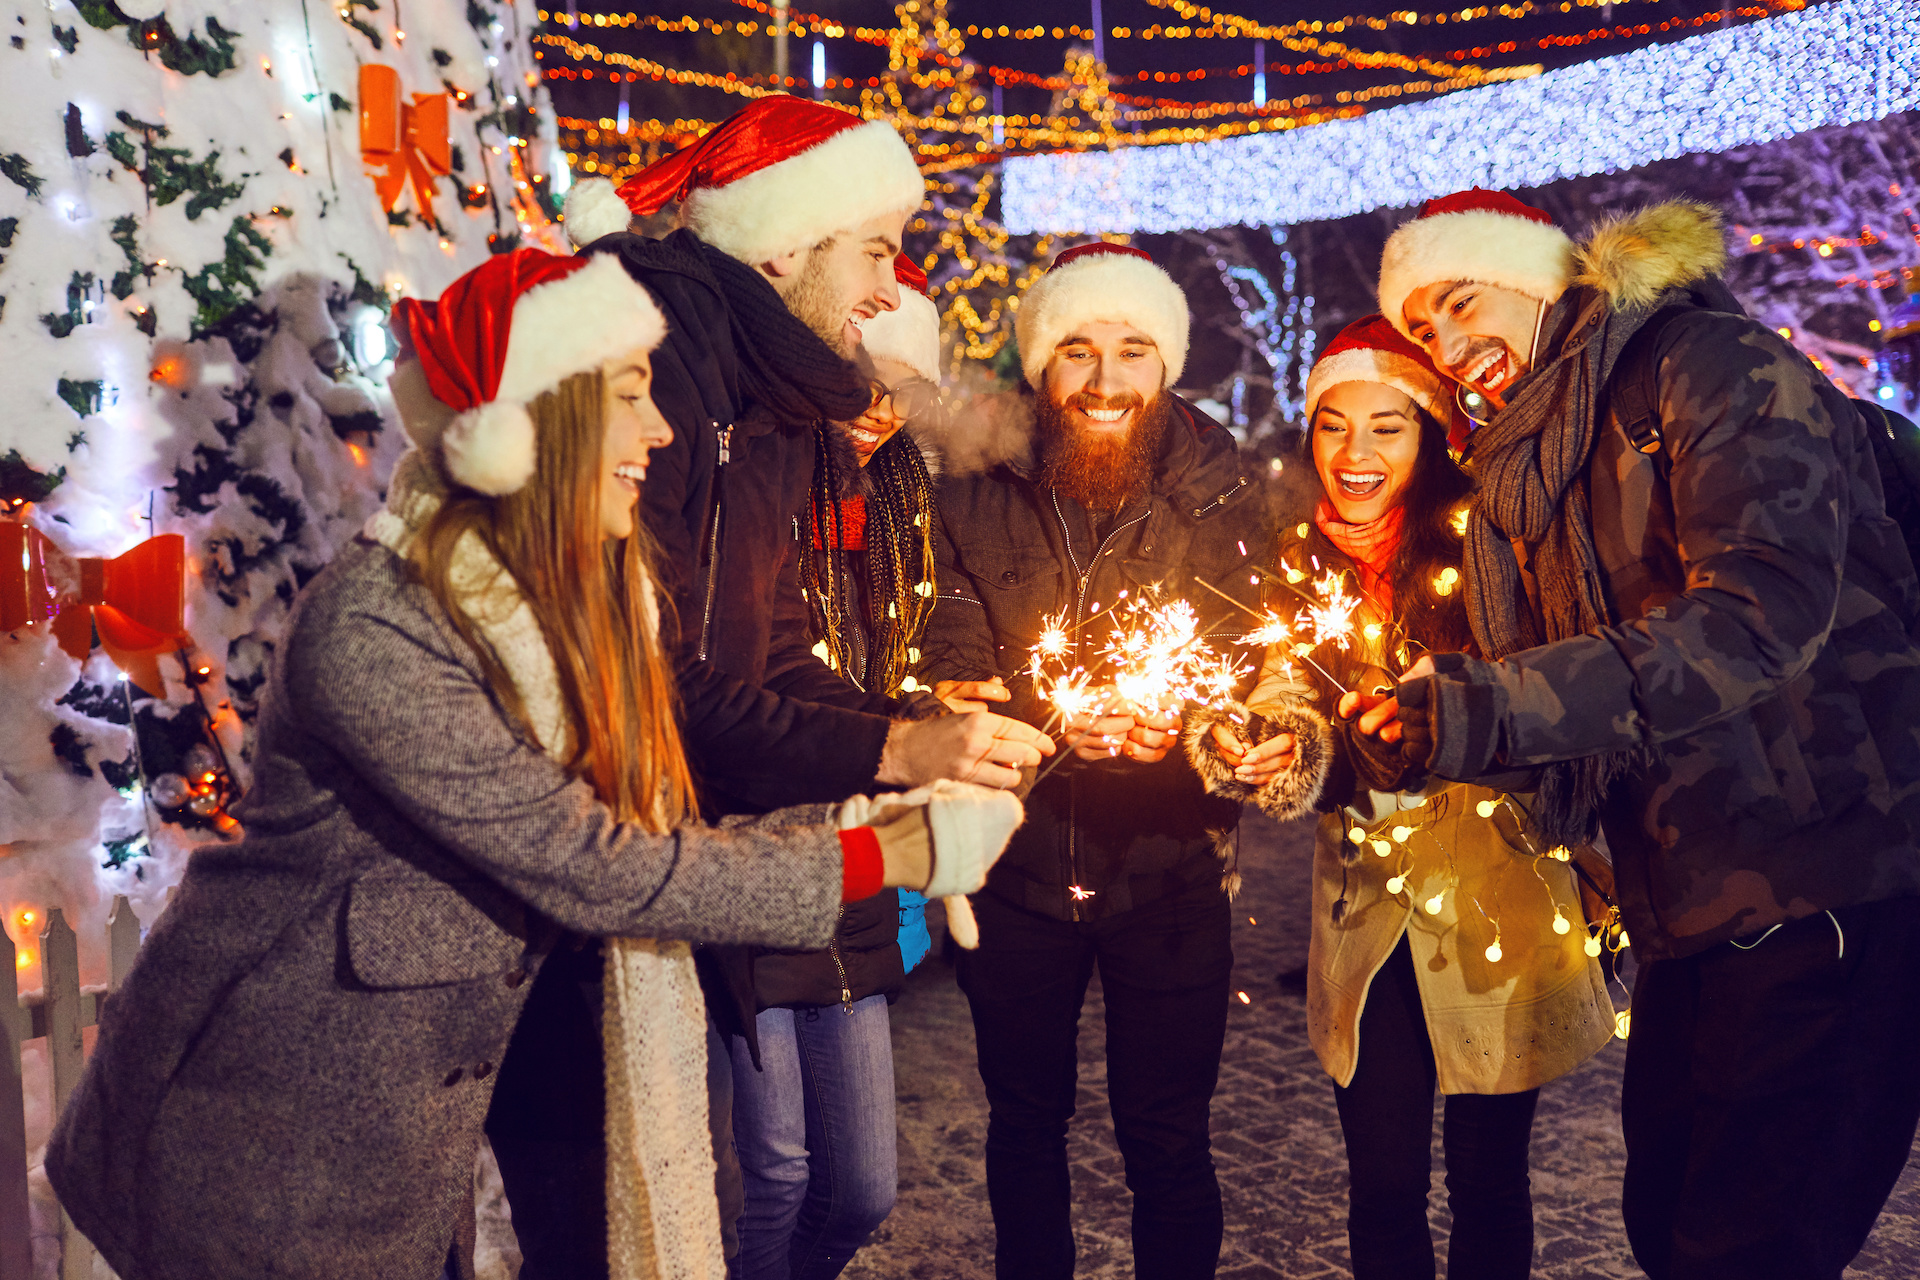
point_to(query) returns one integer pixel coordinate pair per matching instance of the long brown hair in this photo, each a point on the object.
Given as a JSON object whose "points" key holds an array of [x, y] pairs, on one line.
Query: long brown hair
{"points": [[589, 595]]}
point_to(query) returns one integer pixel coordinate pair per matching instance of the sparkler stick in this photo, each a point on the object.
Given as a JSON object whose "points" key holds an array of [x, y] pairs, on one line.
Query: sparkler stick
{"points": [[1308, 657]]}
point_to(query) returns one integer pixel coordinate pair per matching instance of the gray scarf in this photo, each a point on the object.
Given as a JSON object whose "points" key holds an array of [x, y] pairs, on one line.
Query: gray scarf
{"points": [[1527, 464]]}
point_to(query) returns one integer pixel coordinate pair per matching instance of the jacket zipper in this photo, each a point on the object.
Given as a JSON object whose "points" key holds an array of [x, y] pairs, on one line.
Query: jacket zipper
{"points": [[846, 989], [1079, 608], [725, 436]]}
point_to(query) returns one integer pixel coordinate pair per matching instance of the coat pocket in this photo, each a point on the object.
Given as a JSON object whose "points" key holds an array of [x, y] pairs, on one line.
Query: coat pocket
{"points": [[430, 933]]}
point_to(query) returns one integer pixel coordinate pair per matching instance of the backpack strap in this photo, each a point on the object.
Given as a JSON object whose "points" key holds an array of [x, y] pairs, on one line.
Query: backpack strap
{"points": [[1634, 389]]}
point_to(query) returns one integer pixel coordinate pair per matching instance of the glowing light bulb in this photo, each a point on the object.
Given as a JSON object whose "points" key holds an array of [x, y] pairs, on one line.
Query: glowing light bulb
{"points": [[23, 959], [1621, 1021], [1244, 997], [1494, 953], [1400, 834], [1623, 940], [1592, 945], [1485, 808], [1433, 904], [1357, 834], [1560, 853], [1382, 848], [1561, 924], [1396, 884], [26, 917]]}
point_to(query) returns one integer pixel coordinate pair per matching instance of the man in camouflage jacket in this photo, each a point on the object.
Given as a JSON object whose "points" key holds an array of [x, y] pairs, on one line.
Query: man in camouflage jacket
{"points": [[1696, 624]]}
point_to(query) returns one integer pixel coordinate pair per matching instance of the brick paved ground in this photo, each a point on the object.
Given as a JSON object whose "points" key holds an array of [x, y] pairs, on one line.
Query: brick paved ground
{"points": [[1276, 1136]]}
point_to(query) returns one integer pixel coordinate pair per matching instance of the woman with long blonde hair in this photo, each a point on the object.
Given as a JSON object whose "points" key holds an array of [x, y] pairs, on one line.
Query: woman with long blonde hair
{"points": [[467, 753]]}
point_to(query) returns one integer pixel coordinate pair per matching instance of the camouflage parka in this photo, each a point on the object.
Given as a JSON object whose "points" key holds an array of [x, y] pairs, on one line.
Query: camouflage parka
{"points": [[1761, 649]]}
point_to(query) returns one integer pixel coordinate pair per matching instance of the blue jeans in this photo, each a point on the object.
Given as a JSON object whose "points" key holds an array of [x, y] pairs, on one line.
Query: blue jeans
{"points": [[814, 1131]]}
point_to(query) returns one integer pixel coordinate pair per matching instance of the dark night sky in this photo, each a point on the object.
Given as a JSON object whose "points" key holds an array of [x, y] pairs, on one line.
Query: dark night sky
{"points": [[846, 56]]}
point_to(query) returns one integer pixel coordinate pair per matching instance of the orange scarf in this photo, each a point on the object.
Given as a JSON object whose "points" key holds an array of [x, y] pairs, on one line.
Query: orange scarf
{"points": [[1370, 546]]}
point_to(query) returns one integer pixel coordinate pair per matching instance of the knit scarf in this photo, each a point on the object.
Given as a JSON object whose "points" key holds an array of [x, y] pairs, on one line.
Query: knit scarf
{"points": [[784, 366], [1371, 546], [662, 1220], [1527, 464]]}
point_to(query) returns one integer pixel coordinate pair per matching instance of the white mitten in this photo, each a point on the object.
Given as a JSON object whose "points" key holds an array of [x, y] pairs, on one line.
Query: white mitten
{"points": [[971, 825]]}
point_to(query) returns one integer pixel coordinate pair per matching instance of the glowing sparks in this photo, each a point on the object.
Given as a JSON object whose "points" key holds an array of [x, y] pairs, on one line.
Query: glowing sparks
{"points": [[1154, 658]]}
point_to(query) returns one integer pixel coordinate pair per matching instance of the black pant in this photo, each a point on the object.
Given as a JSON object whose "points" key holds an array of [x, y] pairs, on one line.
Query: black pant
{"points": [[1164, 970], [1771, 1095], [548, 1129], [1386, 1115]]}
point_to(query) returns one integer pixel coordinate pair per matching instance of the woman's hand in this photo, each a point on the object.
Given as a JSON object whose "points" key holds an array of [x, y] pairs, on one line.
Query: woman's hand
{"points": [[1258, 765], [970, 695]]}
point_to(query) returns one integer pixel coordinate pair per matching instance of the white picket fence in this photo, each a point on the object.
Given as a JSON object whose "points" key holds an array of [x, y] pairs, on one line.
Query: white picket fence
{"points": [[60, 1011]]}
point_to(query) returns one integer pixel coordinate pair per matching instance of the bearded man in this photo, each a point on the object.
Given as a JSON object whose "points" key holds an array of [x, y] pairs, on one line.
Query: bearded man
{"points": [[1121, 488], [1693, 619]]}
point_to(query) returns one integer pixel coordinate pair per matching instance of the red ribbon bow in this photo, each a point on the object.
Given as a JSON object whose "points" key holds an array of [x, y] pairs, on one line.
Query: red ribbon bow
{"points": [[136, 601], [400, 139]]}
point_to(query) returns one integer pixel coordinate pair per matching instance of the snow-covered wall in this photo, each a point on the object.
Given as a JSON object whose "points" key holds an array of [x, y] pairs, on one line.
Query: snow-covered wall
{"points": [[195, 276]]}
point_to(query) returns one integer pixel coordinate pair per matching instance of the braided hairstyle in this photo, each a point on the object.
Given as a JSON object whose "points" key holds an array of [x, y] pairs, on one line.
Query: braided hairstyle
{"points": [[900, 571]]}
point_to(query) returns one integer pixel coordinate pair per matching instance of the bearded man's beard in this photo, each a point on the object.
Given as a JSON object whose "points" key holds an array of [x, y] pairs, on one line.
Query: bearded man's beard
{"points": [[1100, 470], [816, 303]]}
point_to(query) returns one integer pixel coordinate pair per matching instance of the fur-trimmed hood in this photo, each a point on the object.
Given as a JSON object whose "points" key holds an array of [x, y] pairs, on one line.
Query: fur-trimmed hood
{"points": [[1636, 257]]}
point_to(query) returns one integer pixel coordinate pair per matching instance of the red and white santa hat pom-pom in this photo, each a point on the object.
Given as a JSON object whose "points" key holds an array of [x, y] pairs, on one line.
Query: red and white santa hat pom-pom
{"points": [[1095, 282], [509, 331], [779, 176]]}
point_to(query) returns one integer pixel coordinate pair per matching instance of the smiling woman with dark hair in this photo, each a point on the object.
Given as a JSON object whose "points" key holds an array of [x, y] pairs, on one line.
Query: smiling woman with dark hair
{"points": [[1445, 950]]}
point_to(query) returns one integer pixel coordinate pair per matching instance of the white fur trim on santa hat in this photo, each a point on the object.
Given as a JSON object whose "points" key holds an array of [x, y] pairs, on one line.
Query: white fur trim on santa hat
{"points": [[491, 449], [1104, 286], [1534, 258], [910, 335], [856, 174], [574, 324], [1390, 368], [594, 209]]}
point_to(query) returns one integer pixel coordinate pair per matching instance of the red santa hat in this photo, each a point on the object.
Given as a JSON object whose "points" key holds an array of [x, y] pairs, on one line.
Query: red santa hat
{"points": [[911, 334], [1371, 350], [505, 333], [1100, 281], [1484, 236], [782, 175]]}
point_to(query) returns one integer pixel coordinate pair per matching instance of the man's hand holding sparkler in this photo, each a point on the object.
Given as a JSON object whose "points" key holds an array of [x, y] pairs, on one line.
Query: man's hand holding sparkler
{"points": [[1110, 728]]}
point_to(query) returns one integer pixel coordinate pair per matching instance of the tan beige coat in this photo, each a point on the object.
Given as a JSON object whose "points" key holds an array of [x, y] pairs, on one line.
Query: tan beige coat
{"points": [[1498, 1025]]}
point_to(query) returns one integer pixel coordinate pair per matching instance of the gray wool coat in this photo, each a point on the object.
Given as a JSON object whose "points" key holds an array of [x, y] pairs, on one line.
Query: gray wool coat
{"points": [[293, 1079]]}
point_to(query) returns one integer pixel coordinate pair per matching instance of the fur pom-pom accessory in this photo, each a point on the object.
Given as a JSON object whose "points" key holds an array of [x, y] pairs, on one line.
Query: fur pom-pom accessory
{"points": [[594, 209], [490, 449], [1287, 795], [961, 925]]}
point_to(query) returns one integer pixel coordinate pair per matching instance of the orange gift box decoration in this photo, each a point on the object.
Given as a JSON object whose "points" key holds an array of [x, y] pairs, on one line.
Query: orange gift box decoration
{"points": [[136, 601], [400, 139]]}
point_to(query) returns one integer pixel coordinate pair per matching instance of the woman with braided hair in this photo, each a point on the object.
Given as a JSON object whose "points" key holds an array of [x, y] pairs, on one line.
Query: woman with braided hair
{"points": [[813, 1115]]}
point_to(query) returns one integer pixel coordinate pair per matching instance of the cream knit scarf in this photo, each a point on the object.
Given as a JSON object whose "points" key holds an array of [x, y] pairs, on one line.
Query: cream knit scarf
{"points": [[662, 1220]]}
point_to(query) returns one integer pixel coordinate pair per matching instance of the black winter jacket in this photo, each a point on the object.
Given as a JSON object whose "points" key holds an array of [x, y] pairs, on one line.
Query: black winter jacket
{"points": [[1100, 838]]}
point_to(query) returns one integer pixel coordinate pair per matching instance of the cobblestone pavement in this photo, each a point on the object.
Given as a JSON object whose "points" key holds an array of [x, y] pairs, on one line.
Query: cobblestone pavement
{"points": [[1276, 1136]]}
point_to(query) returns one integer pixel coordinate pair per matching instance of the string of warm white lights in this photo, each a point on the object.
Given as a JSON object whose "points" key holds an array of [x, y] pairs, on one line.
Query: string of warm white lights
{"points": [[1835, 64]]}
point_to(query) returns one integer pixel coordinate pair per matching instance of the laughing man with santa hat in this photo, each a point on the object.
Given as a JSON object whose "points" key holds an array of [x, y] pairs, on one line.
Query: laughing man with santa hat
{"points": [[1694, 618], [791, 213], [1122, 487]]}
